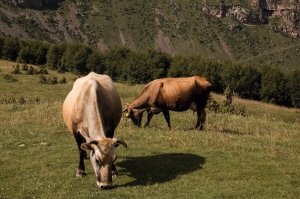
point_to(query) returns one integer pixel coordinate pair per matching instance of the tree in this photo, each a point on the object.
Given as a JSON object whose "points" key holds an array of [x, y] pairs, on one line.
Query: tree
{"points": [[2, 39], [54, 56], [115, 59], [10, 50], [41, 53], [75, 57], [275, 87], [178, 67], [294, 87], [96, 62], [157, 64]]}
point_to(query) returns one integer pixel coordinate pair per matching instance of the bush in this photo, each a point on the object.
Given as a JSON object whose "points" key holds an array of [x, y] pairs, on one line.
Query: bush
{"points": [[24, 67], [31, 71], [16, 70], [63, 80], [227, 107], [9, 78], [43, 79]]}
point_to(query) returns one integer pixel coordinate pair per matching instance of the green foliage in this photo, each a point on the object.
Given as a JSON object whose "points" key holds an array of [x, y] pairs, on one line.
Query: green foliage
{"points": [[227, 106], [54, 56], [96, 62], [75, 57], [11, 48], [115, 59], [275, 86], [294, 87], [244, 80]]}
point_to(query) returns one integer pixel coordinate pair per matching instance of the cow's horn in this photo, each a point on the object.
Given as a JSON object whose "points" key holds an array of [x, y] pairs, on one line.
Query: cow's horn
{"points": [[124, 110], [120, 141]]}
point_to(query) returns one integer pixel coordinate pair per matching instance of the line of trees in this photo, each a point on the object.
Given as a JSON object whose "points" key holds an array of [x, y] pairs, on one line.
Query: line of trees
{"points": [[265, 83]]}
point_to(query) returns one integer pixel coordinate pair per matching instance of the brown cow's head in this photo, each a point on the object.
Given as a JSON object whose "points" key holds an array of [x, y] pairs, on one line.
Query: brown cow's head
{"points": [[136, 115], [103, 155]]}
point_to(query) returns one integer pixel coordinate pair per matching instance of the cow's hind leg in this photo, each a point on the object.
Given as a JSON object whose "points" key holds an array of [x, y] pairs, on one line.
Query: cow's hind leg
{"points": [[201, 117], [82, 154]]}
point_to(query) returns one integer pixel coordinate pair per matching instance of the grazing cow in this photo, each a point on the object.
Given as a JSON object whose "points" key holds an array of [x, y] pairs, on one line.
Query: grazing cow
{"points": [[92, 111], [176, 94]]}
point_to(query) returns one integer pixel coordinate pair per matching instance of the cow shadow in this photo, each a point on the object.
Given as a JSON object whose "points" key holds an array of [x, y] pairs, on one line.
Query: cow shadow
{"points": [[160, 168]]}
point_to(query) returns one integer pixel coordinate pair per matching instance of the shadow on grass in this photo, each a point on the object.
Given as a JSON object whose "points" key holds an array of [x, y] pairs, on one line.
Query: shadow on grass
{"points": [[161, 168]]}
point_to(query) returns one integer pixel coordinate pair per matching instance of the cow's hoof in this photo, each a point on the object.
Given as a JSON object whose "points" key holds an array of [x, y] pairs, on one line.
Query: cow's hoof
{"points": [[80, 174]]}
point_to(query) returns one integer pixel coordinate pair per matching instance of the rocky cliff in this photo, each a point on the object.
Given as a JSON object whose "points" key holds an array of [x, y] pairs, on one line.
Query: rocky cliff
{"points": [[263, 10]]}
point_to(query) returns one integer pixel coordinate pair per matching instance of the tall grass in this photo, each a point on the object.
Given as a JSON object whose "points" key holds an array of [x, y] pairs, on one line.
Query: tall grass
{"points": [[256, 156]]}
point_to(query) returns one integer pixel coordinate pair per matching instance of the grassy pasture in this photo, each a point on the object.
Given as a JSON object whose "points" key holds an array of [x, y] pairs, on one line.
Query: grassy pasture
{"points": [[257, 156]]}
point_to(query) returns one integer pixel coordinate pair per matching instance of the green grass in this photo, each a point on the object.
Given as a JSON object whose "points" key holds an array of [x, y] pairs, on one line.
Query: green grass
{"points": [[256, 156]]}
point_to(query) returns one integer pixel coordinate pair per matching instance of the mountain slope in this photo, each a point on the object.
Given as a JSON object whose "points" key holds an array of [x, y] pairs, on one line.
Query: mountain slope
{"points": [[237, 30]]}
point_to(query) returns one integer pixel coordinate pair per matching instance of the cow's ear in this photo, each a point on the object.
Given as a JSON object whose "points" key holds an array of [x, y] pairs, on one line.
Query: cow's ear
{"points": [[86, 146], [92, 146]]}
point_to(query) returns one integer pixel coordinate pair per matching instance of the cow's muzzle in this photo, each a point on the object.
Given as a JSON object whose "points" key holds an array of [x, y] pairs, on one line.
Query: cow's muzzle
{"points": [[104, 186]]}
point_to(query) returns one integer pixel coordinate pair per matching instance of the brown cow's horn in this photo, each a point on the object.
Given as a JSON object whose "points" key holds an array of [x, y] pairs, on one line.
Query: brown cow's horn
{"points": [[126, 108]]}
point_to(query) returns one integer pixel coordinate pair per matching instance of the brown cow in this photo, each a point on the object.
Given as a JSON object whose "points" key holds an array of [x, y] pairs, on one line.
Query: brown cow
{"points": [[176, 94], [92, 111]]}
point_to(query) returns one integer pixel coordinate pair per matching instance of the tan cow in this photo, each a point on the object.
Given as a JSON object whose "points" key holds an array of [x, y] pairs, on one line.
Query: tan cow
{"points": [[177, 94], [92, 111]]}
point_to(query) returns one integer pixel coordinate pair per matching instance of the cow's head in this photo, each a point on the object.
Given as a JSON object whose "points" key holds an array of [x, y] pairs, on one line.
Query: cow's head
{"points": [[136, 115], [103, 155]]}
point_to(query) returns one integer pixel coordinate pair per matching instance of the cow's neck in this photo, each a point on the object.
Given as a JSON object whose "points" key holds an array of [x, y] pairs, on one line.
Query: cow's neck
{"points": [[140, 102], [95, 123]]}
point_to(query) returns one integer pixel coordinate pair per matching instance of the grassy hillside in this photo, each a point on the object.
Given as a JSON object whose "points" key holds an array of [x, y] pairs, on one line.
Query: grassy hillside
{"points": [[176, 27], [256, 156]]}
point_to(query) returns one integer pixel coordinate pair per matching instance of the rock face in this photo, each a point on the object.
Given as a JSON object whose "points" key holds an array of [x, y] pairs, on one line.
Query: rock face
{"points": [[288, 10], [240, 13], [36, 4]]}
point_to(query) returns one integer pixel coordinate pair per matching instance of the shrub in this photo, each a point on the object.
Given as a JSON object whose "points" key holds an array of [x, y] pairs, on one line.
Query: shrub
{"points": [[31, 71], [24, 67], [16, 70], [43, 79], [63, 80], [10, 78]]}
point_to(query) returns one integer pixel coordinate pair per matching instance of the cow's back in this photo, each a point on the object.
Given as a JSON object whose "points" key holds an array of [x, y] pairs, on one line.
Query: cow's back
{"points": [[179, 93], [93, 106]]}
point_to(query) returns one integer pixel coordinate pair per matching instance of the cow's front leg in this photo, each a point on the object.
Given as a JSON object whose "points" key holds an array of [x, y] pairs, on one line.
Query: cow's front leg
{"points": [[149, 117], [82, 155], [201, 114], [167, 117], [81, 168]]}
